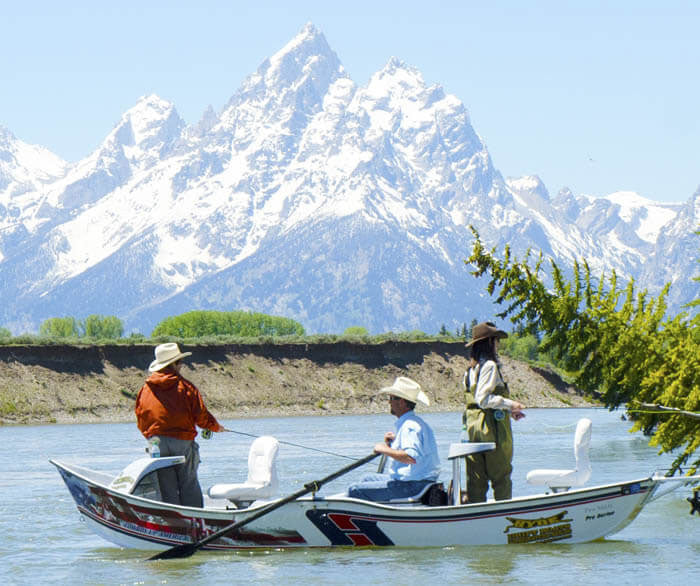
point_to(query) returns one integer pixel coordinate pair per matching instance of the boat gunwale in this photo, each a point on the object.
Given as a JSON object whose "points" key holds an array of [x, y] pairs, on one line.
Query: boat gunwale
{"points": [[491, 506]]}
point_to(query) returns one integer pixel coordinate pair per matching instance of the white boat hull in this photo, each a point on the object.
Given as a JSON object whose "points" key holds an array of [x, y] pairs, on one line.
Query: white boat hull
{"points": [[580, 515]]}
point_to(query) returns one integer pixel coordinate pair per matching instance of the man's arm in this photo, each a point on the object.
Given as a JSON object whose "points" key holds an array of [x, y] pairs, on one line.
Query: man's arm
{"points": [[399, 455], [385, 448]]}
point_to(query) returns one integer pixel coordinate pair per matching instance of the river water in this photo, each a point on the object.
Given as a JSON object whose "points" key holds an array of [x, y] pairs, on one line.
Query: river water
{"points": [[42, 539]]}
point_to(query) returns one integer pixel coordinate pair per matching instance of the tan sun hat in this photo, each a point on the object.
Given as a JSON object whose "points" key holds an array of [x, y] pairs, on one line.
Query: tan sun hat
{"points": [[407, 389], [485, 330], [166, 354]]}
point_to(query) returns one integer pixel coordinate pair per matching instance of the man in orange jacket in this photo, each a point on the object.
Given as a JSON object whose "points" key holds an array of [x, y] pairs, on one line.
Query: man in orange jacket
{"points": [[168, 407]]}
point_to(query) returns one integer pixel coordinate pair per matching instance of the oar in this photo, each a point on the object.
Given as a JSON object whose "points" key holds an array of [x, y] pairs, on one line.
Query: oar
{"points": [[382, 463], [187, 549]]}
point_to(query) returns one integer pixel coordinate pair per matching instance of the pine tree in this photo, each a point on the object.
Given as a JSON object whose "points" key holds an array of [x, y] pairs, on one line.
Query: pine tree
{"points": [[617, 342]]}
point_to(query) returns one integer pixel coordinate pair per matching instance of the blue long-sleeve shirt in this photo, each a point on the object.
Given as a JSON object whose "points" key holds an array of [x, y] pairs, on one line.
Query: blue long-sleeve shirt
{"points": [[415, 437]]}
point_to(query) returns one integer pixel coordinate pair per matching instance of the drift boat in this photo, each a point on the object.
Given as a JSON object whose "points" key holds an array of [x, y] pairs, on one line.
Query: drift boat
{"points": [[126, 509]]}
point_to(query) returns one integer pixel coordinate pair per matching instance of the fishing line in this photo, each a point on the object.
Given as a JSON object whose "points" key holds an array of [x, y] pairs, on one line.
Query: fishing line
{"points": [[654, 412], [559, 427], [293, 444]]}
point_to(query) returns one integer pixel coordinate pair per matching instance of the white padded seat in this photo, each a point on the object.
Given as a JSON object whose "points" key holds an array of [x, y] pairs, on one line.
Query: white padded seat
{"points": [[262, 481], [559, 480]]}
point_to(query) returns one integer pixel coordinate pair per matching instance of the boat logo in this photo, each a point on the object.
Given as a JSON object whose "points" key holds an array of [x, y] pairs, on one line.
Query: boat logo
{"points": [[543, 529], [342, 528], [122, 482]]}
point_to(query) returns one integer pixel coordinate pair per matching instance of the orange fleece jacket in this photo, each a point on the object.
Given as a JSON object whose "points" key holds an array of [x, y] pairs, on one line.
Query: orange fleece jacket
{"points": [[168, 404]]}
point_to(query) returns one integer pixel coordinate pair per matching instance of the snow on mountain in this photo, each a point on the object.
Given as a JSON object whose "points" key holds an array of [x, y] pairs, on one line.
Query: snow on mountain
{"points": [[645, 216], [305, 196], [25, 173]]}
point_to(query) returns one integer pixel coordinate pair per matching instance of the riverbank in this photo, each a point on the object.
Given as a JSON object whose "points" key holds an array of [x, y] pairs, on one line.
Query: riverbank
{"points": [[88, 384]]}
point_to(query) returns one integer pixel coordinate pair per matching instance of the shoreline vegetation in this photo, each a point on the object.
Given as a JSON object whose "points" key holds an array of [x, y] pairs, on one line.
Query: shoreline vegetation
{"points": [[83, 383]]}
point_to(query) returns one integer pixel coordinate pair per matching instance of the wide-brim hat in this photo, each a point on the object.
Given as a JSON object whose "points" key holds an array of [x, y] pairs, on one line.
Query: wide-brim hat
{"points": [[407, 389], [166, 354], [485, 330]]}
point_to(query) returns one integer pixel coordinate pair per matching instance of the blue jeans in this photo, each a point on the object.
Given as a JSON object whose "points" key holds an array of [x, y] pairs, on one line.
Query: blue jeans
{"points": [[382, 487]]}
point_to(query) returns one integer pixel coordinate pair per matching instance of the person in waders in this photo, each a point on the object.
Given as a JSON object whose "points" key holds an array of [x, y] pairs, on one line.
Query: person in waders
{"points": [[487, 417]]}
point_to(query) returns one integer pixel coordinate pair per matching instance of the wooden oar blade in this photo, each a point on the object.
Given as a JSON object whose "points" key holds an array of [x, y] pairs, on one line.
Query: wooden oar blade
{"points": [[180, 551]]}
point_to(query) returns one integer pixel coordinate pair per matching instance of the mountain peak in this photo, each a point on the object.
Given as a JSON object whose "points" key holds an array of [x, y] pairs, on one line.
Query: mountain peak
{"points": [[23, 166], [151, 122], [296, 76], [397, 78], [530, 184], [306, 197], [396, 67], [309, 31], [5, 135], [307, 47]]}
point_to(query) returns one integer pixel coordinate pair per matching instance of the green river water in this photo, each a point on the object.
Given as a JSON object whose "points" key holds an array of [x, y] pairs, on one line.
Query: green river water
{"points": [[42, 539]]}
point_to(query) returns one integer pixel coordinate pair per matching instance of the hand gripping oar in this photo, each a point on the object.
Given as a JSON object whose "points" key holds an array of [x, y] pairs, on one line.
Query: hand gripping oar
{"points": [[187, 549]]}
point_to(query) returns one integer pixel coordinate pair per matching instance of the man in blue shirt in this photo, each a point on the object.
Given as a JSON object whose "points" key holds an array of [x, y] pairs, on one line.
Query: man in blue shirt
{"points": [[412, 448]]}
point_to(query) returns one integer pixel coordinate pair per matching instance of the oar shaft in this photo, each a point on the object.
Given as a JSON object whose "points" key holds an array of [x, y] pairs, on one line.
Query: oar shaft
{"points": [[188, 549]]}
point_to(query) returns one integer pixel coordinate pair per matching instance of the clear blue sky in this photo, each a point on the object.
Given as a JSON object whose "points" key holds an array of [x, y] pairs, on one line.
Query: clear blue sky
{"points": [[599, 96]]}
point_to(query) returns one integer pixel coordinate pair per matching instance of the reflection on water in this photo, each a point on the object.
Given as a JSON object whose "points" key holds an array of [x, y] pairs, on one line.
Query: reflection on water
{"points": [[39, 520]]}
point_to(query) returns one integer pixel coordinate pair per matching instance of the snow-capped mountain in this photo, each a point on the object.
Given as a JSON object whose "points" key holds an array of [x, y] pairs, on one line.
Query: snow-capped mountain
{"points": [[304, 196], [26, 171]]}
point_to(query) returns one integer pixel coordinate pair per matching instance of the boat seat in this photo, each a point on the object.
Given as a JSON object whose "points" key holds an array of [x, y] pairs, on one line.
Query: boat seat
{"points": [[562, 480], [137, 477], [422, 497], [262, 481]]}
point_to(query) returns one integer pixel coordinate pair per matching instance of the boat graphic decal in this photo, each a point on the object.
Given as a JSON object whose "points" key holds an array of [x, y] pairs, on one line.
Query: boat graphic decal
{"points": [[540, 530], [342, 528], [164, 525]]}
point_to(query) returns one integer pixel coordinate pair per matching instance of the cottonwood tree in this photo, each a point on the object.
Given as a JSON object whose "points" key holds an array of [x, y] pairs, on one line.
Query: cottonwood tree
{"points": [[93, 326], [615, 341], [102, 326], [196, 324], [59, 327], [356, 331]]}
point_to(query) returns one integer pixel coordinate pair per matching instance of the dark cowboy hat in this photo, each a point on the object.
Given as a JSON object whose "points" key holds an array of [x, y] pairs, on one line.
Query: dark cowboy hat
{"points": [[485, 330]]}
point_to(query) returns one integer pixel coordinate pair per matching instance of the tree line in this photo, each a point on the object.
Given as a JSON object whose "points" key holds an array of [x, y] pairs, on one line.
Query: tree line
{"points": [[193, 324], [211, 324]]}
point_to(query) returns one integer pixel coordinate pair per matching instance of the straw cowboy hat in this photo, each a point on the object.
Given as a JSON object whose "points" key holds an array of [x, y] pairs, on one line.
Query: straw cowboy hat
{"points": [[485, 330], [166, 354], [407, 389]]}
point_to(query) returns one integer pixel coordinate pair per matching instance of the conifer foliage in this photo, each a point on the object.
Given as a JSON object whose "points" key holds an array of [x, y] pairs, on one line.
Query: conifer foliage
{"points": [[615, 341]]}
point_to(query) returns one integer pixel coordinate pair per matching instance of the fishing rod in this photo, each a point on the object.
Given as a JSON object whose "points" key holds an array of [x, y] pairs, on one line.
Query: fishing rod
{"points": [[207, 436], [659, 409]]}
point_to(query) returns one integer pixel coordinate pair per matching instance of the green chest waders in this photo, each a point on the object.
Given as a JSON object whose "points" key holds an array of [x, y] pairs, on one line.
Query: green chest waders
{"points": [[489, 425]]}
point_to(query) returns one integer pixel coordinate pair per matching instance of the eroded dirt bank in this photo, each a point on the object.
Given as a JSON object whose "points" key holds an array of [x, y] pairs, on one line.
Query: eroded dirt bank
{"points": [[71, 384]]}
